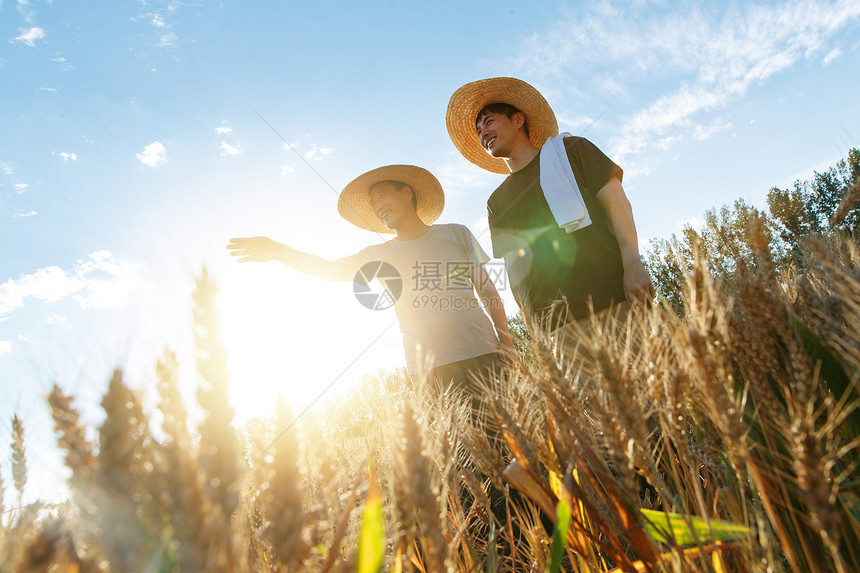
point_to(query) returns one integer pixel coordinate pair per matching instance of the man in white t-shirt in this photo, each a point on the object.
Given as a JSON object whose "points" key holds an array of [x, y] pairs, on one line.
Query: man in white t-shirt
{"points": [[449, 333]]}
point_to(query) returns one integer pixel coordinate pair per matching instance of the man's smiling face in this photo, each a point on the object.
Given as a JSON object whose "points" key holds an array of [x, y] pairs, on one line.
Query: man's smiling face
{"points": [[497, 133], [389, 203]]}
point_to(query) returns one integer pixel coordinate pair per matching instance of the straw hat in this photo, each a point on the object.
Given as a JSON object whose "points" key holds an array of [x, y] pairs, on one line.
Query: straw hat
{"points": [[354, 202], [470, 99]]}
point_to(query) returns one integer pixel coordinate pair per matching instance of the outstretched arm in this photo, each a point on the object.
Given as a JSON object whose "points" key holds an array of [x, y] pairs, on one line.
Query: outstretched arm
{"points": [[496, 309], [637, 283], [262, 249]]}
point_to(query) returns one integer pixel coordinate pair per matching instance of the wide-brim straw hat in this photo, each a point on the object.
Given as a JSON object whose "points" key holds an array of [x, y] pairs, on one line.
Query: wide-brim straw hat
{"points": [[469, 100], [354, 202]]}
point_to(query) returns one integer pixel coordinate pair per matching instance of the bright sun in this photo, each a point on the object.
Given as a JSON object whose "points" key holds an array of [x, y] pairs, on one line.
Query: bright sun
{"points": [[294, 335]]}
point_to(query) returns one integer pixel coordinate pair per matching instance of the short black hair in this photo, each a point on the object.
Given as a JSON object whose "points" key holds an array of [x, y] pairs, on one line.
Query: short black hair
{"points": [[399, 185], [504, 108]]}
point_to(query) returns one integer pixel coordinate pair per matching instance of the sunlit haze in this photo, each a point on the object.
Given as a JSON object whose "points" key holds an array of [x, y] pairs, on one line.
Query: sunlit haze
{"points": [[139, 137]]}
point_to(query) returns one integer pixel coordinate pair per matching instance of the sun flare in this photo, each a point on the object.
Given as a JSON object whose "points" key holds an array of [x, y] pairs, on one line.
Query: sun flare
{"points": [[297, 337]]}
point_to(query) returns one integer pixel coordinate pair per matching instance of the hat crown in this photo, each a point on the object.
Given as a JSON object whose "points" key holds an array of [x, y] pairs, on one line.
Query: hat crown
{"points": [[468, 101], [354, 202]]}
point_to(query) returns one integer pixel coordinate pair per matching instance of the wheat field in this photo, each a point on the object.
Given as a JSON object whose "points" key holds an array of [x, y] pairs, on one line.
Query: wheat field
{"points": [[719, 437]]}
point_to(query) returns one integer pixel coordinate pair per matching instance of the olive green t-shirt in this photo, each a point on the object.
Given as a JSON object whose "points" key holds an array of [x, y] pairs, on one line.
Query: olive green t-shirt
{"points": [[544, 262]]}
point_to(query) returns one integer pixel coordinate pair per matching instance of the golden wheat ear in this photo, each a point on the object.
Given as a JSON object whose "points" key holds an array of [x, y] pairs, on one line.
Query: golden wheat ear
{"points": [[416, 490], [281, 494], [19, 459], [849, 202], [79, 456]]}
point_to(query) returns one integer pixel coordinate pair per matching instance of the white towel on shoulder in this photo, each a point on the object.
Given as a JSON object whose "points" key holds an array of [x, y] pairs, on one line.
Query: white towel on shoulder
{"points": [[559, 186]]}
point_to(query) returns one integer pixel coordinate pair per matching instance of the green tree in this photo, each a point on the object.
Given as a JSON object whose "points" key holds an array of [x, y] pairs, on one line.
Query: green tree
{"points": [[722, 241], [805, 210]]}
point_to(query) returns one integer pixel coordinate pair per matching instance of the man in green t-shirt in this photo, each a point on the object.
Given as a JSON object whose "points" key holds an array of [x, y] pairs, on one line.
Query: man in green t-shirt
{"points": [[501, 125]]}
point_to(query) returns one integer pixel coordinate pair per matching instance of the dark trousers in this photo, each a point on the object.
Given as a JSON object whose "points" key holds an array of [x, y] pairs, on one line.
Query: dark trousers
{"points": [[462, 376]]}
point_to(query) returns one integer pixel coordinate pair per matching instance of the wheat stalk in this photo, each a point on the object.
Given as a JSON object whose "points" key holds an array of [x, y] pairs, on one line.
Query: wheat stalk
{"points": [[19, 458], [849, 201]]}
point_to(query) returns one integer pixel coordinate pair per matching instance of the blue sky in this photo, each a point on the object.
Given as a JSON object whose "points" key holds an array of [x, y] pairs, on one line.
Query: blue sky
{"points": [[132, 149]]}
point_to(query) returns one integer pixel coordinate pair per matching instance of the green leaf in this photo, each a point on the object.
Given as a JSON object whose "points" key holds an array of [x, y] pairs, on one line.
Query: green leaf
{"points": [[492, 549], [666, 527], [559, 535], [837, 380], [371, 545]]}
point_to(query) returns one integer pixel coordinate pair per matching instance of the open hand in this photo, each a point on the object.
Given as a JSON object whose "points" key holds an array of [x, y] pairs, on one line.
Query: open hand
{"points": [[254, 249]]}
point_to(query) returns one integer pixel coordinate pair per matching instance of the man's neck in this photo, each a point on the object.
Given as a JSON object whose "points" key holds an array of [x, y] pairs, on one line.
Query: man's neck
{"points": [[412, 229], [521, 155]]}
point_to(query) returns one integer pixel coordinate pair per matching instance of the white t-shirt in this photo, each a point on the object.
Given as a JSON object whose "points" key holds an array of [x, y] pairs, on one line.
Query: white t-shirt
{"points": [[441, 319]]}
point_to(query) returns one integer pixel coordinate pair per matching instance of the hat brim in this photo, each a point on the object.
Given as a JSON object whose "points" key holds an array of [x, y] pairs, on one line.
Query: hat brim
{"points": [[354, 202], [469, 100]]}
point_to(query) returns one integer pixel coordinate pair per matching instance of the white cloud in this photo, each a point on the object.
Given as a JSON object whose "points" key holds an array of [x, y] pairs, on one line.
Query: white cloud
{"points": [[716, 55], [30, 36], [68, 156], [28, 214], [107, 282], [7, 168], [158, 21], [288, 169], [153, 154], [5, 347], [99, 282], [55, 318], [227, 149], [831, 55], [702, 132], [21, 187], [639, 168], [695, 222], [459, 177], [607, 85], [49, 284], [575, 125], [27, 13], [221, 130], [311, 153], [316, 152], [167, 41], [64, 64]]}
